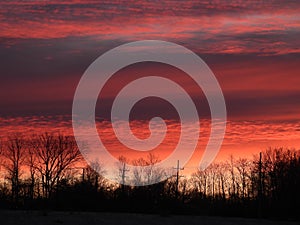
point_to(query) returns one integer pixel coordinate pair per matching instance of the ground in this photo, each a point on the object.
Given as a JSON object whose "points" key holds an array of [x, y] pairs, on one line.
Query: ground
{"points": [[91, 218]]}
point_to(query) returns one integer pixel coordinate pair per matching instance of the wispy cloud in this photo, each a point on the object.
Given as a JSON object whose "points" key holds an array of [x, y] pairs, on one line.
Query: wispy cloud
{"points": [[227, 27], [243, 138], [252, 47]]}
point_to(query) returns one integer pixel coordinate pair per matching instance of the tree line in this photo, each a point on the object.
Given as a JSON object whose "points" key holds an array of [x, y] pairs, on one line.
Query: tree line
{"points": [[48, 171]]}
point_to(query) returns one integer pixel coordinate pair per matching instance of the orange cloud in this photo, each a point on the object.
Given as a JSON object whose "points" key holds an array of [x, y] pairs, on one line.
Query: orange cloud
{"points": [[242, 139]]}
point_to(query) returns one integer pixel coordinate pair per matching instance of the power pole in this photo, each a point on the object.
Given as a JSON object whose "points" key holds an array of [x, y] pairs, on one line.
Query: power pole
{"points": [[177, 178], [123, 176]]}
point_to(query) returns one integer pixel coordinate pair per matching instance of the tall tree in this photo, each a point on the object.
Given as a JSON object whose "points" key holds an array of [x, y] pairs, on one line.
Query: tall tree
{"points": [[146, 172], [55, 153], [243, 167], [14, 157], [31, 162], [94, 176]]}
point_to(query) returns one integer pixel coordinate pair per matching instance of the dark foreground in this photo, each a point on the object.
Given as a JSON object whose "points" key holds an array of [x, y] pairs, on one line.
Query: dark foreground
{"points": [[90, 218]]}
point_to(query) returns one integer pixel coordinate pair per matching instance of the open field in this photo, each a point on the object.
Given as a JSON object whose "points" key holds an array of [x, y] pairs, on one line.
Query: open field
{"points": [[91, 218]]}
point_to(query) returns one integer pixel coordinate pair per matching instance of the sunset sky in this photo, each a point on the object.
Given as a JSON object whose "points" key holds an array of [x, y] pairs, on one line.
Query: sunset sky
{"points": [[252, 47]]}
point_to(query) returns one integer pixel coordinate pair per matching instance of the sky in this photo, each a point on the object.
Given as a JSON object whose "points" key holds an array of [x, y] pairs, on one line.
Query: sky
{"points": [[252, 47]]}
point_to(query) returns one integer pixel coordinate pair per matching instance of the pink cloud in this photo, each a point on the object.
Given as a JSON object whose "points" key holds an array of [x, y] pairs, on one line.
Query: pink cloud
{"points": [[209, 28]]}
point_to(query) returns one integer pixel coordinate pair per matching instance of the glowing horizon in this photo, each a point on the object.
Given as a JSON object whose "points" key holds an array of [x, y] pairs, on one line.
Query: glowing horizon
{"points": [[252, 48]]}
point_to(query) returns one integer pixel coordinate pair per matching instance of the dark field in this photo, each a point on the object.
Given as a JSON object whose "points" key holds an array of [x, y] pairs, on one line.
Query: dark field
{"points": [[90, 218]]}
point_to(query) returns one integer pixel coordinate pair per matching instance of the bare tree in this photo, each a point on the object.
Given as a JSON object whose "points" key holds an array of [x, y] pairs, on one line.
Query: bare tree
{"points": [[213, 169], [243, 167], [146, 172], [31, 161], [233, 188], [54, 155], [122, 170], [94, 175], [223, 177], [138, 171], [14, 157], [184, 188], [200, 181], [213, 181]]}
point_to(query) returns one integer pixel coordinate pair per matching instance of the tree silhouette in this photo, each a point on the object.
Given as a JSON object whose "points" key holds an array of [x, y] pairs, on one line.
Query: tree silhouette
{"points": [[14, 157], [146, 172], [54, 155], [47, 170]]}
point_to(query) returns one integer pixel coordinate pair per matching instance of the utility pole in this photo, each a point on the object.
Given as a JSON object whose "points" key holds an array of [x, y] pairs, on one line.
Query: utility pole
{"points": [[123, 176], [177, 178]]}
